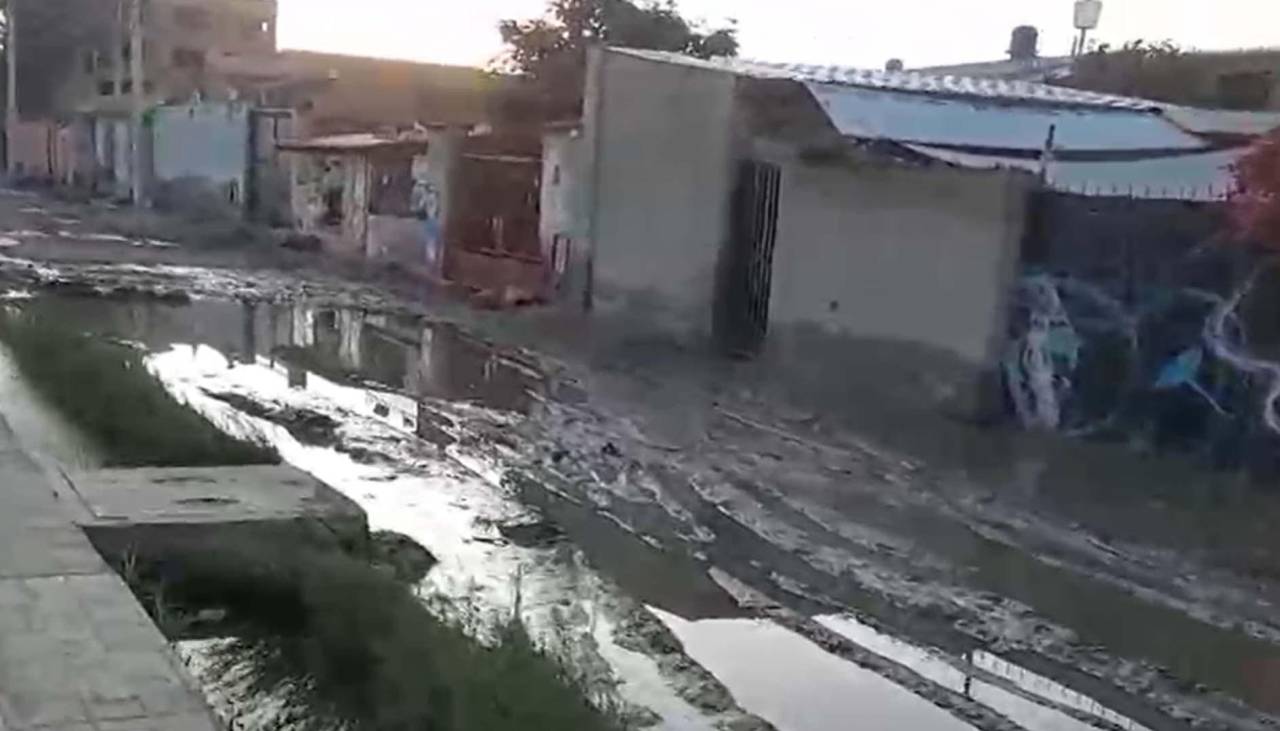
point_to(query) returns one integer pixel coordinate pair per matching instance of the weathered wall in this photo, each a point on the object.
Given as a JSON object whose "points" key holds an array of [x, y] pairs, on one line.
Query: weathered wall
{"points": [[658, 139], [31, 149], [206, 144], [121, 157], [317, 176], [881, 251], [400, 239], [434, 178], [562, 223]]}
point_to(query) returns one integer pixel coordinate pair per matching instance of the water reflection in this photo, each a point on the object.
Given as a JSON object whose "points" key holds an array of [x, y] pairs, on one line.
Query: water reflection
{"points": [[974, 676], [798, 686], [403, 353]]}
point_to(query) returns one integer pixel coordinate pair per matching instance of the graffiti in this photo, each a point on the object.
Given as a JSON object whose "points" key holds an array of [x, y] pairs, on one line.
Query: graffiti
{"points": [[1172, 366], [1226, 349], [1041, 359]]}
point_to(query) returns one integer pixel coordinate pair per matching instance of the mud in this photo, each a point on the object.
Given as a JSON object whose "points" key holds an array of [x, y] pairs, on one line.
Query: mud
{"points": [[597, 497]]}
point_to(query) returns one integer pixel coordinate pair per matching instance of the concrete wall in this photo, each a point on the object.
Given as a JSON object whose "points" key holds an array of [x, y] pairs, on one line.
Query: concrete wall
{"points": [[658, 139], [562, 221], [434, 177], [312, 175], [206, 144], [31, 149], [881, 251], [402, 240]]}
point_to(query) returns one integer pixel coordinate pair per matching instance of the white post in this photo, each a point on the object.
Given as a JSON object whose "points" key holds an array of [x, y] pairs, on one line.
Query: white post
{"points": [[11, 61]]}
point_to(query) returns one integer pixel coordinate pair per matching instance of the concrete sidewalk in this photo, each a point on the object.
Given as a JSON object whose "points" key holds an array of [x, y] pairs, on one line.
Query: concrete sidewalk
{"points": [[77, 652]]}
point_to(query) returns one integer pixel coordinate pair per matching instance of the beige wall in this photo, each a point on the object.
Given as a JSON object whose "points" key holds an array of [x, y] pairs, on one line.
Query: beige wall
{"points": [[881, 251], [658, 185]]}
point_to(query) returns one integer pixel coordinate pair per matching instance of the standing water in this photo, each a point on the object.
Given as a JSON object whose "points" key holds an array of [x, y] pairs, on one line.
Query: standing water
{"points": [[426, 443]]}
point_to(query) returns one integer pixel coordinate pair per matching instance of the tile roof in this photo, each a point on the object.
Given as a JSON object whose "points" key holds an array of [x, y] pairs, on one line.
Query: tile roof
{"points": [[905, 81], [1222, 121]]}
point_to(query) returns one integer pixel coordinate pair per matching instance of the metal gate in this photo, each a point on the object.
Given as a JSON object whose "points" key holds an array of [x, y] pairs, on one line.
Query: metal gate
{"points": [[743, 317]]}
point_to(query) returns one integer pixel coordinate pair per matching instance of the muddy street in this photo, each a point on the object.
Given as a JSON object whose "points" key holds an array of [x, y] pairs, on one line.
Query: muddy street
{"points": [[719, 557]]}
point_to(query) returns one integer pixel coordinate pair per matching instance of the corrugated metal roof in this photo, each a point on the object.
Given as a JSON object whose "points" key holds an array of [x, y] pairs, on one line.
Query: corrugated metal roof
{"points": [[1203, 176], [1222, 121], [880, 114], [904, 81], [1031, 69]]}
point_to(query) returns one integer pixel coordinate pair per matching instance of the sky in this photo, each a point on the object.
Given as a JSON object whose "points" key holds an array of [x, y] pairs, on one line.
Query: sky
{"points": [[841, 32]]}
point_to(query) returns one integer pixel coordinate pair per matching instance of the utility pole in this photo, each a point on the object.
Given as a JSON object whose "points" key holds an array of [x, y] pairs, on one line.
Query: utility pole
{"points": [[11, 63], [119, 37], [137, 83]]}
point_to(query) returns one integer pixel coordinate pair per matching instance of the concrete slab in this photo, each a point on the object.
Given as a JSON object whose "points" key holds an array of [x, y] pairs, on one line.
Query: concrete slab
{"points": [[208, 495], [149, 511]]}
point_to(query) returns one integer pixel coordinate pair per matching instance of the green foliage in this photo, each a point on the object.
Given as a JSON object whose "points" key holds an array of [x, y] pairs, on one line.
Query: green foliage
{"points": [[342, 645], [551, 50], [106, 391], [1159, 71]]}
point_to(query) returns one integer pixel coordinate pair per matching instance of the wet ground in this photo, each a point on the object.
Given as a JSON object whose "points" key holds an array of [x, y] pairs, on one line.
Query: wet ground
{"points": [[728, 565]]}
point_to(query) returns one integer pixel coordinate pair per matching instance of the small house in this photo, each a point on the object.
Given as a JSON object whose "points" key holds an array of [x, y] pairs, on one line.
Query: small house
{"points": [[866, 224]]}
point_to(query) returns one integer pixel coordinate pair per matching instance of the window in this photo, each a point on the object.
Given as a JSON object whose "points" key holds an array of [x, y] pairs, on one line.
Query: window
{"points": [[90, 60], [188, 58], [106, 88], [256, 29], [1245, 90], [191, 17]]}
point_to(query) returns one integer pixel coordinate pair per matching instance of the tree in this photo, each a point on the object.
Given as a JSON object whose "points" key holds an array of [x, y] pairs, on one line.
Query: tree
{"points": [[551, 50], [1255, 204], [1158, 71]]}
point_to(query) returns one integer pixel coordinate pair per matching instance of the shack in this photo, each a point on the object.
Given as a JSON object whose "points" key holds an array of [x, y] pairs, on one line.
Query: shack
{"points": [[373, 196], [856, 225]]}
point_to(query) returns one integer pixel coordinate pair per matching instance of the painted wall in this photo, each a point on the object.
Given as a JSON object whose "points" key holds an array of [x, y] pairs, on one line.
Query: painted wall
{"points": [[658, 143], [880, 251], [1124, 325], [206, 142]]}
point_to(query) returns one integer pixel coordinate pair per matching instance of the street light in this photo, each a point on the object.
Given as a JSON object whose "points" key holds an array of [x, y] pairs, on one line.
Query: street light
{"points": [[1087, 15]]}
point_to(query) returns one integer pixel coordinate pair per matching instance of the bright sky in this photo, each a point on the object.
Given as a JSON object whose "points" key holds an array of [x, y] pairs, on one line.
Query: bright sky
{"points": [[845, 32]]}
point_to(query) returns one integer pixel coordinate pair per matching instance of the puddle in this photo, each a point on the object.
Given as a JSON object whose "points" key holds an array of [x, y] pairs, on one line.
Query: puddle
{"points": [[401, 389], [453, 511], [968, 681], [796, 685]]}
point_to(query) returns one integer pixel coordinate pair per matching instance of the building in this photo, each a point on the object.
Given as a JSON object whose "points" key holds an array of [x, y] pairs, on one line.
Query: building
{"points": [[867, 221], [369, 197], [444, 203], [336, 94], [181, 40]]}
